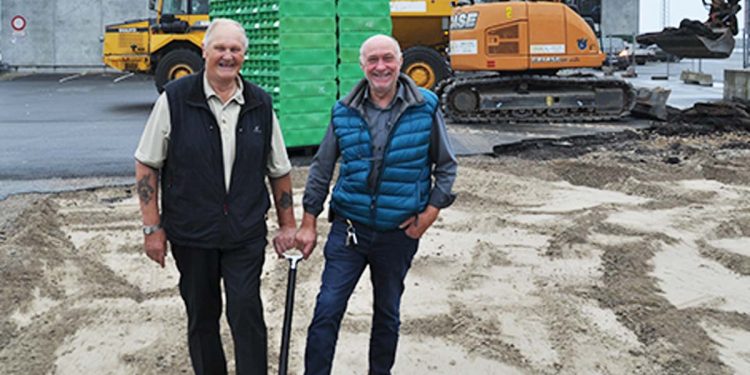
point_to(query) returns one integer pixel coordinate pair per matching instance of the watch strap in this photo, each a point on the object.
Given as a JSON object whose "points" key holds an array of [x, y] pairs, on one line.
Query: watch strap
{"points": [[149, 229]]}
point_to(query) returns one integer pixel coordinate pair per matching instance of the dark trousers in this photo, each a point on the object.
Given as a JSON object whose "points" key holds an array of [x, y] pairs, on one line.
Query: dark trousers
{"points": [[200, 274], [389, 255]]}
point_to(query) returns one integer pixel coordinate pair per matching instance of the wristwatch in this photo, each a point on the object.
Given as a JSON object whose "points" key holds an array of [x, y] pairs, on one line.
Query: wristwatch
{"points": [[150, 229]]}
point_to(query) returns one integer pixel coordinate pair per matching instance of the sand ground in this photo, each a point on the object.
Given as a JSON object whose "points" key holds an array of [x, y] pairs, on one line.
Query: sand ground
{"points": [[620, 259]]}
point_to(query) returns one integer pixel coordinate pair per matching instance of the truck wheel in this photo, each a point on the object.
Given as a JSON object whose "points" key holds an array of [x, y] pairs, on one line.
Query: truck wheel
{"points": [[175, 64], [425, 66]]}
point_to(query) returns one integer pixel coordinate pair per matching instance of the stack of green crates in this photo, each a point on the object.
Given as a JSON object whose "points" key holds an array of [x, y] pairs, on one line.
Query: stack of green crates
{"points": [[357, 21], [291, 55]]}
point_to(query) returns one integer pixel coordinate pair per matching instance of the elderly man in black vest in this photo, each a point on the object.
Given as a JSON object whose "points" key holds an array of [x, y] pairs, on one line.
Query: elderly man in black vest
{"points": [[211, 139]]}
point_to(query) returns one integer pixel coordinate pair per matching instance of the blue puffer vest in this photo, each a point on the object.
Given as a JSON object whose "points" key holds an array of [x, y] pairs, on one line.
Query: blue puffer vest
{"points": [[404, 181]]}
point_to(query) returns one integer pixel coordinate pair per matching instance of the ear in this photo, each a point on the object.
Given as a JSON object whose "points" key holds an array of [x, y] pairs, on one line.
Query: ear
{"points": [[203, 50]]}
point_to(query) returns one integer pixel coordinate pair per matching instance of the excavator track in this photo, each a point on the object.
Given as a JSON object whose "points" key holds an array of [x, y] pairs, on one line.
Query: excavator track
{"points": [[489, 97]]}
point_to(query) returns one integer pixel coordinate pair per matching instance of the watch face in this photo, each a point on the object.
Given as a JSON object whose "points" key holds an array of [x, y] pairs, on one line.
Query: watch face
{"points": [[151, 229]]}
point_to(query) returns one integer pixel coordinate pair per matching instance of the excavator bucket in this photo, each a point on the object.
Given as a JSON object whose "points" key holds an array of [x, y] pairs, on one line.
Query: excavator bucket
{"points": [[692, 39]]}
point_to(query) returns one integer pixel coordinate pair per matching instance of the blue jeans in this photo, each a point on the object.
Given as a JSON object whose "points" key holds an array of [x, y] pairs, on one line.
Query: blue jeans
{"points": [[389, 255]]}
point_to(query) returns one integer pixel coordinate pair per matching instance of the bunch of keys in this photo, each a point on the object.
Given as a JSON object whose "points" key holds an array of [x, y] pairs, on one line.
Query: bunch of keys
{"points": [[351, 234]]}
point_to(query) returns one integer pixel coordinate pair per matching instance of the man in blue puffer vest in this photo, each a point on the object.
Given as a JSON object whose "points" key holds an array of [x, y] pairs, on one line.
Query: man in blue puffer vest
{"points": [[396, 172]]}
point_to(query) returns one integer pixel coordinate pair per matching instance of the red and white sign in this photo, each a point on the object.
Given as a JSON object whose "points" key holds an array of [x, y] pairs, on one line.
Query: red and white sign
{"points": [[18, 23]]}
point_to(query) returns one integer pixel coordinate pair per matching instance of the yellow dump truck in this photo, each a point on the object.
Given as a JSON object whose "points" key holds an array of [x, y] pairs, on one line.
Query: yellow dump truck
{"points": [[168, 46]]}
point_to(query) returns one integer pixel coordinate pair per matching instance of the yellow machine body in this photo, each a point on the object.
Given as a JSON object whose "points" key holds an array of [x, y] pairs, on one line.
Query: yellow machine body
{"points": [[140, 45]]}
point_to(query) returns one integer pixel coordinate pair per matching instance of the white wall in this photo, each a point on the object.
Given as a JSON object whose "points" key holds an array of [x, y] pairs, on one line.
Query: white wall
{"points": [[61, 32]]}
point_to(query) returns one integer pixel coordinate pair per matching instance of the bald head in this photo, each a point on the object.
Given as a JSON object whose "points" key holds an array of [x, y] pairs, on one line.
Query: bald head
{"points": [[380, 60], [379, 41]]}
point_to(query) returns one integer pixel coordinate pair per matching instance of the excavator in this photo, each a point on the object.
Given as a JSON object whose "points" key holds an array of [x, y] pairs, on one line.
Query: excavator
{"points": [[507, 56], [712, 39]]}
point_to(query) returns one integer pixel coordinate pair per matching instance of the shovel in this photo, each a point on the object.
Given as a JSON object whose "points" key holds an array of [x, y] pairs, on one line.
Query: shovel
{"points": [[293, 257]]}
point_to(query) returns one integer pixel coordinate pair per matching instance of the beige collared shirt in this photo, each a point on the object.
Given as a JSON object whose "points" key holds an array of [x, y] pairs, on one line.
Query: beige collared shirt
{"points": [[152, 148]]}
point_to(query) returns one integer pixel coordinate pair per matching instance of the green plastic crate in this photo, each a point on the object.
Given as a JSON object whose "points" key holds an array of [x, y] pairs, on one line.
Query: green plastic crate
{"points": [[288, 90], [292, 73], [375, 25], [349, 54], [350, 71], [309, 72], [308, 104], [354, 39], [301, 121], [307, 41], [293, 89], [363, 8], [318, 25], [292, 57], [307, 8], [346, 86]]}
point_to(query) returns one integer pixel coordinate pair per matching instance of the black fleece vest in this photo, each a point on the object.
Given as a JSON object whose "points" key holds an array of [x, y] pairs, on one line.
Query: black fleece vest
{"points": [[197, 210]]}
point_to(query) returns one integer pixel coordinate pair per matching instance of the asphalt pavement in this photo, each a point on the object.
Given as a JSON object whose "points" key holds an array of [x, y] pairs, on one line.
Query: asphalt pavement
{"points": [[66, 131], [82, 127]]}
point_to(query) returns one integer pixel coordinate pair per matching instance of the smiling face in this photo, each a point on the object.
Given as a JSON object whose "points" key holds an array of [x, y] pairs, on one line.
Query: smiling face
{"points": [[224, 52], [380, 59]]}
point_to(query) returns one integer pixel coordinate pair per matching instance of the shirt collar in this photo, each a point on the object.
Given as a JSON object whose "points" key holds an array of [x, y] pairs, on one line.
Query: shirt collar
{"points": [[399, 96], [209, 91]]}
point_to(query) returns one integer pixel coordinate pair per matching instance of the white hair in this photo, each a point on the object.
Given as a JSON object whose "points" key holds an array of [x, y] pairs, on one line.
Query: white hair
{"points": [[224, 21], [394, 42]]}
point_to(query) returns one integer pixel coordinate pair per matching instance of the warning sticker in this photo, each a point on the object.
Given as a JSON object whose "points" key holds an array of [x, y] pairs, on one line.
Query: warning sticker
{"points": [[463, 47], [537, 49]]}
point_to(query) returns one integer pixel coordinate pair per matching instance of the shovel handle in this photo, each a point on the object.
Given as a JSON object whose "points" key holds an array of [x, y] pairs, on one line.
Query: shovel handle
{"points": [[293, 256]]}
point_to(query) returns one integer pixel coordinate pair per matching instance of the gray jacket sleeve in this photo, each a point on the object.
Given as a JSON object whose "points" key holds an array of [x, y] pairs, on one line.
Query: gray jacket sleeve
{"points": [[321, 172], [446, 165]]}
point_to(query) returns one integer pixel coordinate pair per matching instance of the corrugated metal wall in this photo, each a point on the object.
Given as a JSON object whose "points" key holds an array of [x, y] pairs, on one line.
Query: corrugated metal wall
{"points": [[61, 32]]}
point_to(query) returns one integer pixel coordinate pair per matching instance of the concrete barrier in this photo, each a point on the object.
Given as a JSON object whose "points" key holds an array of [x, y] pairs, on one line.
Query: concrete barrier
{"points": [[697, 78], [737, 84]]}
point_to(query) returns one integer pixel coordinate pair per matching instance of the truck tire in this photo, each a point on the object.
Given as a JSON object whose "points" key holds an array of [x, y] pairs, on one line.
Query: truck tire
{"points": [[425, 66], [175, 64]]}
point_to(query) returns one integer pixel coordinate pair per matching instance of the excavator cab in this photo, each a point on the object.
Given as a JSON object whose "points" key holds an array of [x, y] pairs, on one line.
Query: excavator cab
{"points": [[712, 39]]}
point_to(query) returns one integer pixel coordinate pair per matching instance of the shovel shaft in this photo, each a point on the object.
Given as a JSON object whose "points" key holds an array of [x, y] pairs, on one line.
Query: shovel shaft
{"points": [[287, 328]]}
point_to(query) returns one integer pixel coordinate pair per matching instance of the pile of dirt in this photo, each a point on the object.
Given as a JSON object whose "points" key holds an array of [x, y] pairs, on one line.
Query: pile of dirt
{"points": [[719, 116], [717, 120]]}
